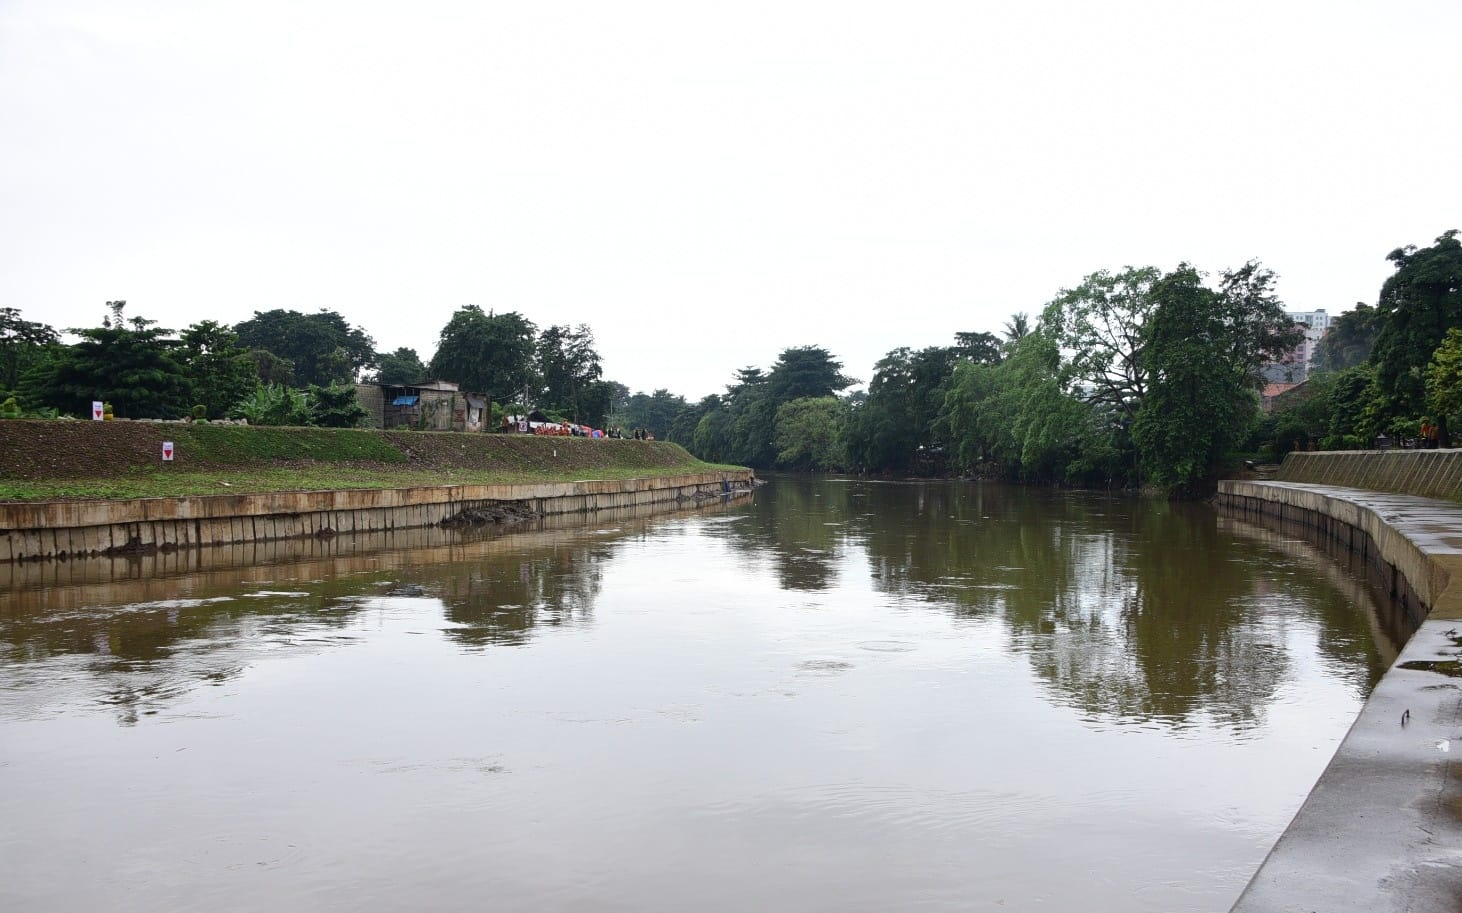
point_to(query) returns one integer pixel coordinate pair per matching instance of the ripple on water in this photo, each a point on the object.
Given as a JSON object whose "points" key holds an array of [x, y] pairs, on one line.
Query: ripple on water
{"points": [[823, 667], [887, 646]]}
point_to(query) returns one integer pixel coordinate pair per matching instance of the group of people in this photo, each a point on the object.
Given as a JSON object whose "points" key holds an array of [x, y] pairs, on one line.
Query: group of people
{"points": [[568, 429], [1430, 435]]}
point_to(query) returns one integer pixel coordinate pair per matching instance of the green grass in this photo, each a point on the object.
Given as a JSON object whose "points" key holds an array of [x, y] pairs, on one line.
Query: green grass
{"points": [[165, 483], [242, 445]]}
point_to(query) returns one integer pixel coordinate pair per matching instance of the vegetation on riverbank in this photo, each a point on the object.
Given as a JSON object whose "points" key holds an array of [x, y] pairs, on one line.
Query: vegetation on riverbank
{"points": [[52, 460]]}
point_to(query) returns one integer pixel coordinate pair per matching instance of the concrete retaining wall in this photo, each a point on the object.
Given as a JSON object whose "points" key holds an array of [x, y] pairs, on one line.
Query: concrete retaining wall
{"points": [[1400, 537], [1426, 473], [65, 529], [1382, 828]]}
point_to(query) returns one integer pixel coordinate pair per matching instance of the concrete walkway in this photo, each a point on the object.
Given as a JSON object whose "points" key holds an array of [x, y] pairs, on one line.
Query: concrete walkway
{"points": [[1382, 829]]}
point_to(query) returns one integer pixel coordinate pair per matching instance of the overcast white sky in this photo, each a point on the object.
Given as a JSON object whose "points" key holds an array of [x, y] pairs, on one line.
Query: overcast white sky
{"points": [[706, 184]]}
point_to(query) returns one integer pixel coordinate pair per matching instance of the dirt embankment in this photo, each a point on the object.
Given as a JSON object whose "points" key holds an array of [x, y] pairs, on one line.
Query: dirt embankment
{"points": [[38, 450]]}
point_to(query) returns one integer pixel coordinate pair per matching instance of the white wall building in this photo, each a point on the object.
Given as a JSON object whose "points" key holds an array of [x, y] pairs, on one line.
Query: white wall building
{"points": [[1316, 324]]}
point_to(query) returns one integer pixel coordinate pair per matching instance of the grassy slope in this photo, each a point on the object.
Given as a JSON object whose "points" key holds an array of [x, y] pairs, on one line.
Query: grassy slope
{"points": [[53, 460]]}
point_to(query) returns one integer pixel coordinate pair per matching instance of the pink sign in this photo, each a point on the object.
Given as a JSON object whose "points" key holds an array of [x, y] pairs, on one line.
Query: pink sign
{"points": [[167, 451], [96, 410]]}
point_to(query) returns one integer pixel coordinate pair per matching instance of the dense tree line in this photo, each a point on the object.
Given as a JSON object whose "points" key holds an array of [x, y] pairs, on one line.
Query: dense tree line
{"points": [[287, 367], [1385, 371], [1136, 377], [1132, 377]]}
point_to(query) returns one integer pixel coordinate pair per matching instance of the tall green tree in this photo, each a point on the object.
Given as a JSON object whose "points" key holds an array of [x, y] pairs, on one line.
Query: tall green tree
{"points": [[402, 366], [805, 371], [22, 343], [570, 376], [1349, 340], [809, 434], [1099, 328], [221, 372], [487, 353], [899, 417], [1417, 306], [131, 363], [1444, 381], [655, 412], [322, 348], [1204, 348]]}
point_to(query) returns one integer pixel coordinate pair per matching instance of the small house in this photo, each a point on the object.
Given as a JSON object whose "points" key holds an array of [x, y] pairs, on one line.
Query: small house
{"points": [[435, 405]]}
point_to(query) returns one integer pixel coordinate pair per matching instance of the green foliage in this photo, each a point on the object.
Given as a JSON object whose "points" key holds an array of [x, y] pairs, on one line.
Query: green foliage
{"points": [[241, 445], [809, 433], [1349, 340], [131, 364], [21, 344], [10, 408], [335, 406], [740, 427], [656, 411], [1016, 416], [486, 353], [401, 367], [570, 375], [899, 419], [221, 373], [1417, 306], [274, 404], [803, 372], [1203, 349], [322, 348], [1444, 378], [1099, 326]]}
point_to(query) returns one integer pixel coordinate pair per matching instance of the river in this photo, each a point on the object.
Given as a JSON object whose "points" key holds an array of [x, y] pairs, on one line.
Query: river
{"points": [[836, 696]]}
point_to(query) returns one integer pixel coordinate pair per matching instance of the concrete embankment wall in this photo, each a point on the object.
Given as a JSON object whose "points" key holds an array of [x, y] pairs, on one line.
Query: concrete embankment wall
{"points": [[1382, 827], [1425, 473], [66, 529]]}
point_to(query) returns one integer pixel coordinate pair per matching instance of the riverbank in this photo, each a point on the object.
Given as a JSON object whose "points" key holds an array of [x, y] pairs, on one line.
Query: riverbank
{"points": [[1381, 826], [61, 460]]}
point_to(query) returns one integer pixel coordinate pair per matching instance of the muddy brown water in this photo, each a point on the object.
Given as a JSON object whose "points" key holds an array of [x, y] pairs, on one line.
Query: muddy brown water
{"points": [[839, 696]]}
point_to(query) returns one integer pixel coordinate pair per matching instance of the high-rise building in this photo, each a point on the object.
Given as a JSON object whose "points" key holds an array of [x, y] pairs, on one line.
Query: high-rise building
{"points": [[1316, 324]]}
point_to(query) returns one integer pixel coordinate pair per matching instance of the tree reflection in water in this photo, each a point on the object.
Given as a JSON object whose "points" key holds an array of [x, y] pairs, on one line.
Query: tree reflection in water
{"points": [[1131, 610]]}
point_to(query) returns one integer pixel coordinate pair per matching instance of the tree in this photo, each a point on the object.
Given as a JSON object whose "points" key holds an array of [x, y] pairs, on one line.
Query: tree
{"points": [[1099, 327], [653, 411], [221, 372], [322, 348], [570, 375], [898, 418], [1349, 340], [1017, 327], [487, 353], [136, 369], [1444, 380], [1204, 349], [805, 371], [402, 366], [1418, 304], [809, 433], [1016, 413], [335, 406], [22, 343]]}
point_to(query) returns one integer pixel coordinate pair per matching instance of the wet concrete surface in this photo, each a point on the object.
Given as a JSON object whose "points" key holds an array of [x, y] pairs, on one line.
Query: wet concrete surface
{"points": [[1382, 829]]}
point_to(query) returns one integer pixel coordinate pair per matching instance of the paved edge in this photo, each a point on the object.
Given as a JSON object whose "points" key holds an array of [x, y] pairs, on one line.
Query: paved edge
{"points": [[1382, 828]]}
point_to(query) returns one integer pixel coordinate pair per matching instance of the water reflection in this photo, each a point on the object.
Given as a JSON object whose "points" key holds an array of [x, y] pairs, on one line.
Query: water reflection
{"points": [[874, 696], [1133, 611], [503, 601], [157, 628]]}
